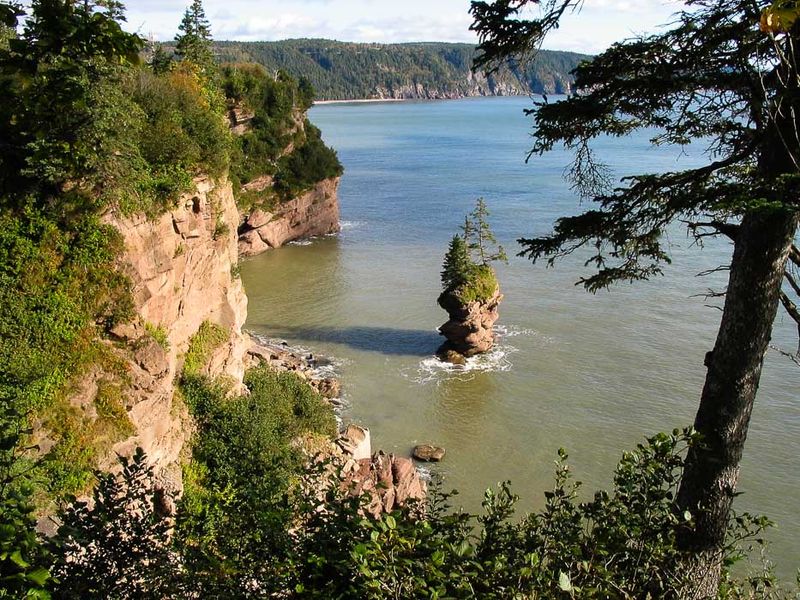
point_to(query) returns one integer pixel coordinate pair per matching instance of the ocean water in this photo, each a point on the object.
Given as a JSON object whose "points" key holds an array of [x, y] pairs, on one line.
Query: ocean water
{"points": [[590, 373]]}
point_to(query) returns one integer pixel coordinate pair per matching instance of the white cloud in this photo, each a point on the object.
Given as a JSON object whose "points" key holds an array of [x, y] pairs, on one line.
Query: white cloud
{"points": [[599, 23]]}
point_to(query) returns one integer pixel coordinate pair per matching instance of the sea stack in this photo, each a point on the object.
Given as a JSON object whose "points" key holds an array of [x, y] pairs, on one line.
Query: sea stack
{"points": [[470, 328], [470, 291]]}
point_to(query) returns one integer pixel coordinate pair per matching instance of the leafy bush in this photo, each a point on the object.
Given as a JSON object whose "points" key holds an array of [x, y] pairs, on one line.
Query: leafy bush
{"points": [[119, 547], [23, 559], [235, 509], [480, 286], [307, 165], [620, 544], [183, 133]]}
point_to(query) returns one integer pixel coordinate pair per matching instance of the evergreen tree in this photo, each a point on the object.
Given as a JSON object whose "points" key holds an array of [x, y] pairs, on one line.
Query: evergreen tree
{"points": [[484, 243], [457, 265], [160, 61], [724, 74], [193, 43]]}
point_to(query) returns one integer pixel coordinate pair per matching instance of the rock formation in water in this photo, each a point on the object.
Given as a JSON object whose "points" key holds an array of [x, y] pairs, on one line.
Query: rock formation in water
{"points": [[273, 219], [470, 329], [471, 293]]}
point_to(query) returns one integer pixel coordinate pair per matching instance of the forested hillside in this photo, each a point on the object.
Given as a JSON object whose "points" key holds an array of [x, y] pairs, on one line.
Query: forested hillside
{"points": [[344, 71]]}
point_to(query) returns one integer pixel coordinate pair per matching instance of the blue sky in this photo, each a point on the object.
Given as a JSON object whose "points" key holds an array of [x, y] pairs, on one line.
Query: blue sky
{"points": [[598, 24]]}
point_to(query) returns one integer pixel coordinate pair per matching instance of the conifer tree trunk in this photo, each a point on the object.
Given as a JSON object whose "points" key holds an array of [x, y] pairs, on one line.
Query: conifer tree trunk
{"points": [[761, 249]]}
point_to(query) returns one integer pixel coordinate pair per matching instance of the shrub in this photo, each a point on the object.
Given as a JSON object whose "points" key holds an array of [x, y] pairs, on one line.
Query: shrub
{"points": [[204, 342], [307, 165], [158, 332], [234, 512], [118, 548], [480, 286]]}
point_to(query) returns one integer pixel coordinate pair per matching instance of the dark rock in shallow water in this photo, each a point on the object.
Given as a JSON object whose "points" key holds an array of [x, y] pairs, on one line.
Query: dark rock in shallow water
{"points": [[447, 354], [428, 453]]}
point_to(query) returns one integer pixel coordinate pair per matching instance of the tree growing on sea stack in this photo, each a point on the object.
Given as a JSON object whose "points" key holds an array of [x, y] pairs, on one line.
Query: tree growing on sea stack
{"points": [[470, 291]]}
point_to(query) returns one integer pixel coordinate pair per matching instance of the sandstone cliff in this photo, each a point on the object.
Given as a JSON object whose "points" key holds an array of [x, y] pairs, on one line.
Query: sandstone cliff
{"points": [[313, 213], [182, 266], [469, 330], [473, 85]]}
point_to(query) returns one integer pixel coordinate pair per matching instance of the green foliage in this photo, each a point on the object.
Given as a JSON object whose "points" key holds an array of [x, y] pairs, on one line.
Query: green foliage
{"points": [[620, 544], [344, 70], [159, 334], [79, 126], [479, 237], [306, 165], [56, 284], [234, 512], [183, 133], [160, 62], [23, 560], [118, 548], [457, 267], [480, 286], [193, 43], [632, 86], [208, 338], [277, 105], [466, 271]]}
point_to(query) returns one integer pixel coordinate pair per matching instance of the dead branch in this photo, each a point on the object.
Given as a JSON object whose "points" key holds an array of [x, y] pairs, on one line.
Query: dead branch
{"points": [[794, 255], [791, 308], [727, 229]]}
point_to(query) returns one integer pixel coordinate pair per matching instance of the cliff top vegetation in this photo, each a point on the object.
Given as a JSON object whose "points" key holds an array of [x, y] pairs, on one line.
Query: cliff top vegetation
{"points": [[345, 70]]}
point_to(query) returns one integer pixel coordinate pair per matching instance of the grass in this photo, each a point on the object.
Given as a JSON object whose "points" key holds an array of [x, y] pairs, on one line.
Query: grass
{"points": [[481, 285], [159, 334], [208, 338]]}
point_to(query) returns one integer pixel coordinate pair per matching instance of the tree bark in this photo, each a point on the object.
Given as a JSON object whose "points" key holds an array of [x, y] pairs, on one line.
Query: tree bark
{"points": [[734, 367]]}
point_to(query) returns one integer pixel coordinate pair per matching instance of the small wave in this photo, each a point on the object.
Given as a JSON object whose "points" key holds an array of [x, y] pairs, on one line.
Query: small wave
{"points": [[345, 225], [432, 369], [425, 473], [323, 366], [303, 242], [510, 331]]}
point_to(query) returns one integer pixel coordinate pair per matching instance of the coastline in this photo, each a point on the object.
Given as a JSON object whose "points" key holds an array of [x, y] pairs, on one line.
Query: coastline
{"points": [[358, 101]]}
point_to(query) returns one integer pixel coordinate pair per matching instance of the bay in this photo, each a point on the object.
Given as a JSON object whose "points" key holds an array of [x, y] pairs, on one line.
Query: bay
{"points": [[590, 373]]}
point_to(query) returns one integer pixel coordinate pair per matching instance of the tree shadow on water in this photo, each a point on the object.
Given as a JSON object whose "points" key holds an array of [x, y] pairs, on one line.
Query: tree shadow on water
{"points": [[385, 340]]}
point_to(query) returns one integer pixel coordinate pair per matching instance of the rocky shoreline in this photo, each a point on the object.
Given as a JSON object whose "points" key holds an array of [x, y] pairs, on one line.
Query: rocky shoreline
{"points": [[391, 481]]}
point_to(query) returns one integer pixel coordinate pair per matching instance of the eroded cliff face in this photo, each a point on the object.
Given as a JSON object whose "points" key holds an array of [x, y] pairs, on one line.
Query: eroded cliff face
{"points": [[183, 270], [314, 213], [475, 85]]}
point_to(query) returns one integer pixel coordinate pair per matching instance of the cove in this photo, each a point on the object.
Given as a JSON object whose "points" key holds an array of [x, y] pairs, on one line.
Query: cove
{"points": [[591, 373]]}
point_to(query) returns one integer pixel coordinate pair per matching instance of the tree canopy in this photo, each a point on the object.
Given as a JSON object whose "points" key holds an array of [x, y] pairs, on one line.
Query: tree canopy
{"points": [[193, 42]]}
